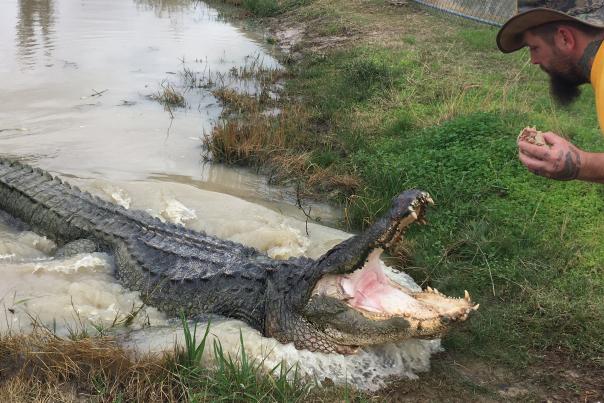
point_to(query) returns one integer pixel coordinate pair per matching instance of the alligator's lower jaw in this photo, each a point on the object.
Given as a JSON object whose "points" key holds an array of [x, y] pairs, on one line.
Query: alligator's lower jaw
{"points": [[370, 292]]}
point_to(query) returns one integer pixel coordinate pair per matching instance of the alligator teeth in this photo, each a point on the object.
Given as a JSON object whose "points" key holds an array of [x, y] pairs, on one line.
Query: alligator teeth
{"points": [[429, 289], [466, 295], [476, 307], [430, 201], [414, 215]]}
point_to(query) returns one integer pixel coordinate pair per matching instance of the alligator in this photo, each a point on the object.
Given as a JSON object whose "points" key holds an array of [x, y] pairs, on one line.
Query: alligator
{"points": [[337, 303]]}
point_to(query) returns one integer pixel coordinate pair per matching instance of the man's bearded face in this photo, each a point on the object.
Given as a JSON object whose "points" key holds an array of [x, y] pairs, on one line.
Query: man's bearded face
{"points": [[565, 78]]}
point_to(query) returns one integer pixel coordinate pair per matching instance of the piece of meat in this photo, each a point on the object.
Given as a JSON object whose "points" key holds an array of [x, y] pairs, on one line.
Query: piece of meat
{"points": [[533, 136]]}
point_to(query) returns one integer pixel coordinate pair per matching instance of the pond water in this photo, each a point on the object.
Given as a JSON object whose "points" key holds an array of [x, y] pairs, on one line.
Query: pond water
{"points": [[77, 79]]}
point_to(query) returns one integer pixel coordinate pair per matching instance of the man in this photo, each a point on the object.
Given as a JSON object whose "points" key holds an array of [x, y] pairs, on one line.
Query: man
{"points": [[564, 38]]}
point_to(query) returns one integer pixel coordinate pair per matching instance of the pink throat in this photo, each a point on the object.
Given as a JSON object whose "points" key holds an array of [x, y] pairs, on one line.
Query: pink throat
{"points": [[371, 290]]}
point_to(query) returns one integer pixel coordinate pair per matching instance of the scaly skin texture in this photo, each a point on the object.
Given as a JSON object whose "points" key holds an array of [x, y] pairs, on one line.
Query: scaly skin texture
{"points": [[179, 270]]}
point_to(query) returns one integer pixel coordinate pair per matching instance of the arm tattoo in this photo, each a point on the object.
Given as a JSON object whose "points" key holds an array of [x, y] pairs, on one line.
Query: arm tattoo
{"points": [[571, 165], [588, 57]]}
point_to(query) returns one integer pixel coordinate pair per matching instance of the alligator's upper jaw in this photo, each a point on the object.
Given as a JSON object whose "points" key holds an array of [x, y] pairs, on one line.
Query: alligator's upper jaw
{"points": [[405, 212]]}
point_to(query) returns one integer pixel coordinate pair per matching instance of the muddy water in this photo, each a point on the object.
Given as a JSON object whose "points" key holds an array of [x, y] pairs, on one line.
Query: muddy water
{"points": [[77, 77]]}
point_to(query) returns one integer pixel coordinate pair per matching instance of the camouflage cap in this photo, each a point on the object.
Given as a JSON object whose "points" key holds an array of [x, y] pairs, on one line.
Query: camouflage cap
{"points": [[532, 13]]}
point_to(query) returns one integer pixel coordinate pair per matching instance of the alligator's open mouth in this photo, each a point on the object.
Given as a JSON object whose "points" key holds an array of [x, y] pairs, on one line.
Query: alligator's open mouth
{"points": [[398, 310], [371, 292]]}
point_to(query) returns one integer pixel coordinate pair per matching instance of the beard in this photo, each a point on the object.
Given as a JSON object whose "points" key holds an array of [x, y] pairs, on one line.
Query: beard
{"points": [[565, 79], [565, 91]]}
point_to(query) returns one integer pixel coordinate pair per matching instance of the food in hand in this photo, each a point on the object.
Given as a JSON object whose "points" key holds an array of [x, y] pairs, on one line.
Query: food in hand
{"points": [[533, 136]]}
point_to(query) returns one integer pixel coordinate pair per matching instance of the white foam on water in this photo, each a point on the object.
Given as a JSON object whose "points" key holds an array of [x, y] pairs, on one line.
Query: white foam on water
{"points": [[176, 212], [66, 295], [118, 195], [369, 369]]}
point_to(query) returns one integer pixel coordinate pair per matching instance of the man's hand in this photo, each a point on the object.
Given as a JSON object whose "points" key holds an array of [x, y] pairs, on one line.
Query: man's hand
{"points": [[558, 159]]}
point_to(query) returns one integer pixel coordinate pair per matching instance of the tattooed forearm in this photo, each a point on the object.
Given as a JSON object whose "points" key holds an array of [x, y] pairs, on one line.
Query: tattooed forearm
{"points": [[571, 165]]}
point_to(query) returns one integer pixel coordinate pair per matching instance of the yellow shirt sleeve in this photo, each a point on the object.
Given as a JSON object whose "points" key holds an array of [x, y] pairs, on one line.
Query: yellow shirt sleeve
{"points": [[597, 82]]}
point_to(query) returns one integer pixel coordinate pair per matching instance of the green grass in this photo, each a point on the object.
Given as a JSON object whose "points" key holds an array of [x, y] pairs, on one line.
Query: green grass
{"points": [[193, 350], [524, 246], [239, 378], [262, 8], [496, 227], [433, 104]]}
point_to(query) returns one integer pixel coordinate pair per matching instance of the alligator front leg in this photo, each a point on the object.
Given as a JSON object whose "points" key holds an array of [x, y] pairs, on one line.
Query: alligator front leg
{"points": [[76, 247]]}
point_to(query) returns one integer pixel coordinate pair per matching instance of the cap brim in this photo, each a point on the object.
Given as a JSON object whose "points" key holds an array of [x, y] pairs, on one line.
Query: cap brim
{"points": [[510, 36]]}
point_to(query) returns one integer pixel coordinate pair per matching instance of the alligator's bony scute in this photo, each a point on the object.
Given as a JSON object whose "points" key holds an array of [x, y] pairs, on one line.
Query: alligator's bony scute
{"points": [[336, 303]]}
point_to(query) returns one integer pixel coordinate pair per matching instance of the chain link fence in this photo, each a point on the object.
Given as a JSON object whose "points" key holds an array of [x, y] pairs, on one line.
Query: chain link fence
{"points": [[492, 12]]}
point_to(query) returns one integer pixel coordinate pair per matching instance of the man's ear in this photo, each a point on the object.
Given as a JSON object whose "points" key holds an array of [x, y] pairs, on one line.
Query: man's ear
{"points": [[565, 39]]}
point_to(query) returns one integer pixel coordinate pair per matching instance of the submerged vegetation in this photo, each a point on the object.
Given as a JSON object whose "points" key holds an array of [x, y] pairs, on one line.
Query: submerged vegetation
{"points": [[169, 96]]}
